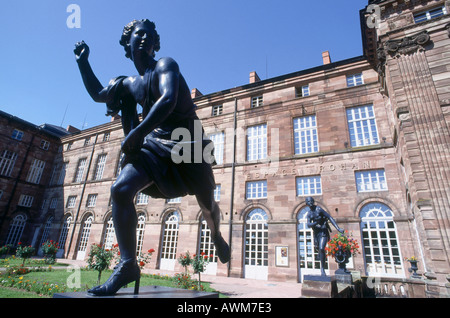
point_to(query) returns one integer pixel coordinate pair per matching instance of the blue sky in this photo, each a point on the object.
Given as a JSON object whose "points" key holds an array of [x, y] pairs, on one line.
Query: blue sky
{"points": [[216, 43]]}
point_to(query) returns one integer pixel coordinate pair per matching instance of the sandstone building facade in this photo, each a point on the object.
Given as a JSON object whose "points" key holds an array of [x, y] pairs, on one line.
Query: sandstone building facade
{"points": [[367, 138]]}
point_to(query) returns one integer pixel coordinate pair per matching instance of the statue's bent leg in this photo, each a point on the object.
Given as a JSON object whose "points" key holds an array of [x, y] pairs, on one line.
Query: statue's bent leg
{"points": [[211, 214], [131, 180]]}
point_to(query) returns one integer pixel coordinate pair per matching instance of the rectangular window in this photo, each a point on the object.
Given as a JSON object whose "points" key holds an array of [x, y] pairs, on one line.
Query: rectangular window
{"points": [[430, 14], [309, 186], [141, 199], [101, 161], [36, 170], [217, 192], [106, 136], [80, 170], [7, 161], [87, 141], [355, 80], [217, 110], [26, 200], [302, 91], [17, 134], [218, 139], [362, 126], [44, 144], [257, 101], [371, 180], [174, 200], [256, 190], [305, 135], [53, 203], [62, 173], [257, 142], [91, 200], [71, 201]]}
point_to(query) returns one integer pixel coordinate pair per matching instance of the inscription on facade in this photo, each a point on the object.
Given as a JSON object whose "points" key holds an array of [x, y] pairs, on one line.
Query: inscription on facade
{"points": [[316, 169]]}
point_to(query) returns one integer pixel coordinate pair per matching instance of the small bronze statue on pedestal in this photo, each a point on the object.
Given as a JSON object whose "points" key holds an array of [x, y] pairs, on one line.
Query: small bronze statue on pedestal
{"points": [[148, 148], [318, 221]]}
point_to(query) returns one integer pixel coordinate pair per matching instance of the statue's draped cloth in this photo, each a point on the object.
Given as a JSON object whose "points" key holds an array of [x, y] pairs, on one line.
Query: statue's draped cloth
{"points": [[170, 179]]}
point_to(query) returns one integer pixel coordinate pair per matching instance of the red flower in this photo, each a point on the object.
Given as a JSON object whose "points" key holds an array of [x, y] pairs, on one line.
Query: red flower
{"points": [[151, 250], [141, 263]]}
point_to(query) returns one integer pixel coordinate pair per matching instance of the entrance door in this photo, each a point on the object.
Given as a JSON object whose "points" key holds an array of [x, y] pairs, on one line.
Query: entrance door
{"points": [[256, 245], [84, 239], [170, 242], [309, 262]]}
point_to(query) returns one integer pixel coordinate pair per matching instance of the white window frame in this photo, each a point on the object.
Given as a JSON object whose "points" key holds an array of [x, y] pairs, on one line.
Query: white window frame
{"points": [[216, 110], [15, 230], [140, 229], [53, 203], [371, 180], [355, 80], [100, 167], [257, 101], [91, 200], [256, 190], [170, 241], [362, 126], [256, 254], [308, 185], [7, 162], [217, 192], [80, 170], [429, 14], [35, 172], [110, 233], [26, 200], [380, 241], [309, 261], [218, 139], [305, 135], [17, 134], [257, 142], [65, 230], [174, 200], [45, 144], [142, 199], [71, 201]]}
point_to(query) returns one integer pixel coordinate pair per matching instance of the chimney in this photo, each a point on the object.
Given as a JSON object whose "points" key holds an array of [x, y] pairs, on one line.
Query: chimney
{"points": [[326, 57], [72, 129], [254, 77], [115, 117], [195, 93]]}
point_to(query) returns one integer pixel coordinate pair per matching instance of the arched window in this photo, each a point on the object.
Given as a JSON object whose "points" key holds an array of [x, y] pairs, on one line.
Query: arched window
{"points": [[256, 244], [46, 231], [109, 234], [15, 229], [207, 246], [140, 233], [84, 237], [64, 232], [170, 241], [380, 243], [309, 262]]}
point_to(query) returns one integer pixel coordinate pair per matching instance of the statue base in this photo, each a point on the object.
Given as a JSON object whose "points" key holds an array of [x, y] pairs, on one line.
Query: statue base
{"points": [[319, 286], [144, 292]]}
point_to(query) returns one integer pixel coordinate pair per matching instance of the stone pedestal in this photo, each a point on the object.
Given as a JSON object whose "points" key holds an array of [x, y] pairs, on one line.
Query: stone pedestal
{"points": [[145, 292], [317, 286]]}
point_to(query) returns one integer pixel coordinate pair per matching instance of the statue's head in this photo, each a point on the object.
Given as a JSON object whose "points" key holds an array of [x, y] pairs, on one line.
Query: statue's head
{"points": [[309, 201], [144, 26]]}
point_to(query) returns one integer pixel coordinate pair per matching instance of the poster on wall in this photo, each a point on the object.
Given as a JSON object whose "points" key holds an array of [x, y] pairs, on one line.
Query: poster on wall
{"points": [[281, 256]]}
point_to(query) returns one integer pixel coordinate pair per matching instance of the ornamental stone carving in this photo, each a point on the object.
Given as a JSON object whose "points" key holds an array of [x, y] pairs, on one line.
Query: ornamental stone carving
{"points": [[407, 45]]}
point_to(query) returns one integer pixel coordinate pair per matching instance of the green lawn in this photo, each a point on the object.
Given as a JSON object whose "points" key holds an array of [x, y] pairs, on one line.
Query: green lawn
{"points": [[44, 282]]}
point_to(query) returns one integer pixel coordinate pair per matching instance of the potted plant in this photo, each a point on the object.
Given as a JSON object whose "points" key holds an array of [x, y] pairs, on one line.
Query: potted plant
{"points": [[413, 261], [341, 247]]}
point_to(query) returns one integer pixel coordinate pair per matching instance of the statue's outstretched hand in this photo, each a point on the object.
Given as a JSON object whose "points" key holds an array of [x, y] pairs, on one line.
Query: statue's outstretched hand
{"points": [[81, 51]]}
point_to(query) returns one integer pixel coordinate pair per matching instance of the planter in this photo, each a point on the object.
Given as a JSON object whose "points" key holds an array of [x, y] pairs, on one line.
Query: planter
{"points": [[341, 257], [413, 269]]}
